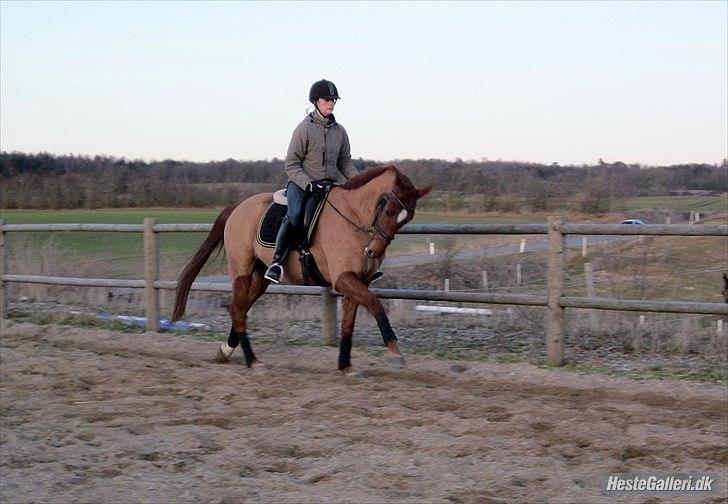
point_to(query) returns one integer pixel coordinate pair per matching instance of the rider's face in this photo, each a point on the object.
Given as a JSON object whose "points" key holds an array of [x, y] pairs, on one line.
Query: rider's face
{"points": [[325, 106]]}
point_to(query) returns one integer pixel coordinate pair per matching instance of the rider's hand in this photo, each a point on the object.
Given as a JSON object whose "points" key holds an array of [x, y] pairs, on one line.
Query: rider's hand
{"points": [[317, 186]]}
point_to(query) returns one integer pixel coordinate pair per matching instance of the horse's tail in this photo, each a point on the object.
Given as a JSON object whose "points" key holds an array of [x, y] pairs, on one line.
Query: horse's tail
{"points": [[213, 241]]}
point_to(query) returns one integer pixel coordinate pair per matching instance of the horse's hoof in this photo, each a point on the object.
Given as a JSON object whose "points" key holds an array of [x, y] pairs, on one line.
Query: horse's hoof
{"points": [[396, 361], [223, 353], [350, 372]]}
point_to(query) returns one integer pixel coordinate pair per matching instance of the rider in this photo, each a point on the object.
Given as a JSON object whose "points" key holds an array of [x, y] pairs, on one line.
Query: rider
{"points": [[319, 155]]}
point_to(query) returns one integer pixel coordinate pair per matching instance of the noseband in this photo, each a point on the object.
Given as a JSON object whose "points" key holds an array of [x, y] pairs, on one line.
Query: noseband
{"points": [[374, 231]]}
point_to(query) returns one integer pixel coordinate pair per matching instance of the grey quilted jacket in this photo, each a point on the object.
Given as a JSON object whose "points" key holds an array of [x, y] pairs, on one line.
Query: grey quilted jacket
{"points": [[319, 149]]}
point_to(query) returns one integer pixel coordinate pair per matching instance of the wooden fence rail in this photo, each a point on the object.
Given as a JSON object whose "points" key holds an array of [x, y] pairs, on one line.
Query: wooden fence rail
{"points": [[554, 300]]}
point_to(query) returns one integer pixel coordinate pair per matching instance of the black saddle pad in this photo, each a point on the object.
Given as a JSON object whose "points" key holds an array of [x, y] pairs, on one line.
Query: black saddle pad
{"points": [[273, 217], [270, 224]]}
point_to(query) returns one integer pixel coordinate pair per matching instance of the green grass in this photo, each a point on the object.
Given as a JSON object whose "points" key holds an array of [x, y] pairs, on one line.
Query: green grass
{"points": [[118, 254], [684, 203], [109, 216], [711, 375], [653, 372]]}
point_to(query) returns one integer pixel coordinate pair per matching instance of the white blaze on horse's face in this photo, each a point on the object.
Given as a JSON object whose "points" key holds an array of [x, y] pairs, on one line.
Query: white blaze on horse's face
{"points": [[402, 216]]}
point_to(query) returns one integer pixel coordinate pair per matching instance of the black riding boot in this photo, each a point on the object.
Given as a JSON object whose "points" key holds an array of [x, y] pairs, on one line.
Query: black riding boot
{"points": [[283, 245]]}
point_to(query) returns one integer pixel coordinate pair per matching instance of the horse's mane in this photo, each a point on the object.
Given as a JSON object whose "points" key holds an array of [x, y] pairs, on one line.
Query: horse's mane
{"points": [[401, 182], [364, 177]]}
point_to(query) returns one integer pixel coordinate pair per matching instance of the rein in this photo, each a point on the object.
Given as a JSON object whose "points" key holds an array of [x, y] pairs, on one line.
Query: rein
{"points": [[374, 227]]}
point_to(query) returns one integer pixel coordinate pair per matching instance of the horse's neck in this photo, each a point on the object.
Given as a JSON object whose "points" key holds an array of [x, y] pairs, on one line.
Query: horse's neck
{"points": [[362, 201]]}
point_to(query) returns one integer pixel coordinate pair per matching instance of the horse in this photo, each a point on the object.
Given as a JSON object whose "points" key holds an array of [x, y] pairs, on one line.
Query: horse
{"points": [[357, 223]]}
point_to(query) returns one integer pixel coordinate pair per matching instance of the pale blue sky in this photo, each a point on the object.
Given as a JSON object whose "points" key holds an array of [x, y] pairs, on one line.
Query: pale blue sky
{"points": [[571, 82]]}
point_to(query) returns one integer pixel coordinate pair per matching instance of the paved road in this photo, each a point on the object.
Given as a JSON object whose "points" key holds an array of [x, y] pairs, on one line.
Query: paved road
{"points": [[500, 250]]}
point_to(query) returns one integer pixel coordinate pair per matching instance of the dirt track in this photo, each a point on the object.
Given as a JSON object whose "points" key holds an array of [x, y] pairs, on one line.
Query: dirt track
{"points": [[95, 416]]}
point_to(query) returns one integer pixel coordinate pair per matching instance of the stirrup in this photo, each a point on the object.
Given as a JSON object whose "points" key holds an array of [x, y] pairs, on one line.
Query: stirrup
{"points": [[274, 273]]}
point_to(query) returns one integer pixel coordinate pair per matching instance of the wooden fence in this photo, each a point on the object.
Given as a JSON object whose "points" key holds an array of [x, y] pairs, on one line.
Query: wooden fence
{"points": [[554, 300]]}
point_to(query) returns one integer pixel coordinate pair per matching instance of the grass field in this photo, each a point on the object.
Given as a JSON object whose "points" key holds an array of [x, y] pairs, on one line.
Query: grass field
{"points": [[441, 201], [679, 203], [655, 267], [118, 254], [109, 216]]}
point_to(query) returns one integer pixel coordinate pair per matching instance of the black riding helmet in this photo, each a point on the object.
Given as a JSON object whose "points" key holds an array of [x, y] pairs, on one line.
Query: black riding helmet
{"points": [[323, 89]]}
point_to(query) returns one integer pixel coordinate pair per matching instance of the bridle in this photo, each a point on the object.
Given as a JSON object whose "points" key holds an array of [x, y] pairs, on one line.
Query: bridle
{"points": [[374, 231]]}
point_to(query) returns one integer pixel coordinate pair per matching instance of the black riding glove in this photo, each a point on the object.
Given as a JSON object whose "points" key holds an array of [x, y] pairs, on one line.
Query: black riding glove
{"points": [[317, 186]]}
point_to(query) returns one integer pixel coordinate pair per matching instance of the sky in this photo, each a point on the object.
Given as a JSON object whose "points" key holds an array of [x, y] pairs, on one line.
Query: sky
{"points": [[565, 82]]}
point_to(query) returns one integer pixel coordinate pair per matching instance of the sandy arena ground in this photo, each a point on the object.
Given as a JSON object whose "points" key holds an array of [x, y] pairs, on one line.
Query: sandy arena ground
{"points": [[98, 416]]}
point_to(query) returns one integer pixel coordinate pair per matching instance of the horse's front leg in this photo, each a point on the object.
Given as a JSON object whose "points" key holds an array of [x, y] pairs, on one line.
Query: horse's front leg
{"points": [[348, 318], [352, 286]]}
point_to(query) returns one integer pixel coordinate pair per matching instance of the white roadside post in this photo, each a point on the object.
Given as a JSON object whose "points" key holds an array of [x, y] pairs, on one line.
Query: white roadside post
{"points": [[521, 250]]}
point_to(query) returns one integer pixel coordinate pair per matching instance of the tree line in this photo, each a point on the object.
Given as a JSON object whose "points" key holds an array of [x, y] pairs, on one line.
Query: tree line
{"points": [[46, 181]]}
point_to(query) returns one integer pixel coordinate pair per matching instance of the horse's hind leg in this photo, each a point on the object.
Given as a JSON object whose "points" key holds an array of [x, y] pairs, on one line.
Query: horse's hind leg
{"points": [[246, 290]]}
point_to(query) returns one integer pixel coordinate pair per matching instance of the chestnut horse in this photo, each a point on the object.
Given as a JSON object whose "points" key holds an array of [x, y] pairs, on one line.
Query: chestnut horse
{"points": [[354, 229]]}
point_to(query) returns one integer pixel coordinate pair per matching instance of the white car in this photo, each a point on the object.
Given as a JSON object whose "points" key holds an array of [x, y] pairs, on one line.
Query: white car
{"points": [[632, 221]]}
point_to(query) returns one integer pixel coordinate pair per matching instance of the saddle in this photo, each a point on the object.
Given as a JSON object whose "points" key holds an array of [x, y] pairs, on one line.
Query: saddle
{"points": [[271, 222]]}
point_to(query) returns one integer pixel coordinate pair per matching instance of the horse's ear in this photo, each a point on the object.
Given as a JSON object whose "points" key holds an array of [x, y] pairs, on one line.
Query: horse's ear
{"points": [[424, 191]]}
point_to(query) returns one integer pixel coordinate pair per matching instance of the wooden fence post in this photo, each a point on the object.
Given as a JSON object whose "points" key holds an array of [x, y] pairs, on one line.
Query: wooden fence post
{"points": [[554, 290], [3, 286], [328, 320], [151, 274]]}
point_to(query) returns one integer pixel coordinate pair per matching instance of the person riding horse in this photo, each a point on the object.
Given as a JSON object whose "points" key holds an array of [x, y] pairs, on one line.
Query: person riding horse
{"points": [[355, 226], [318, 155]]}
